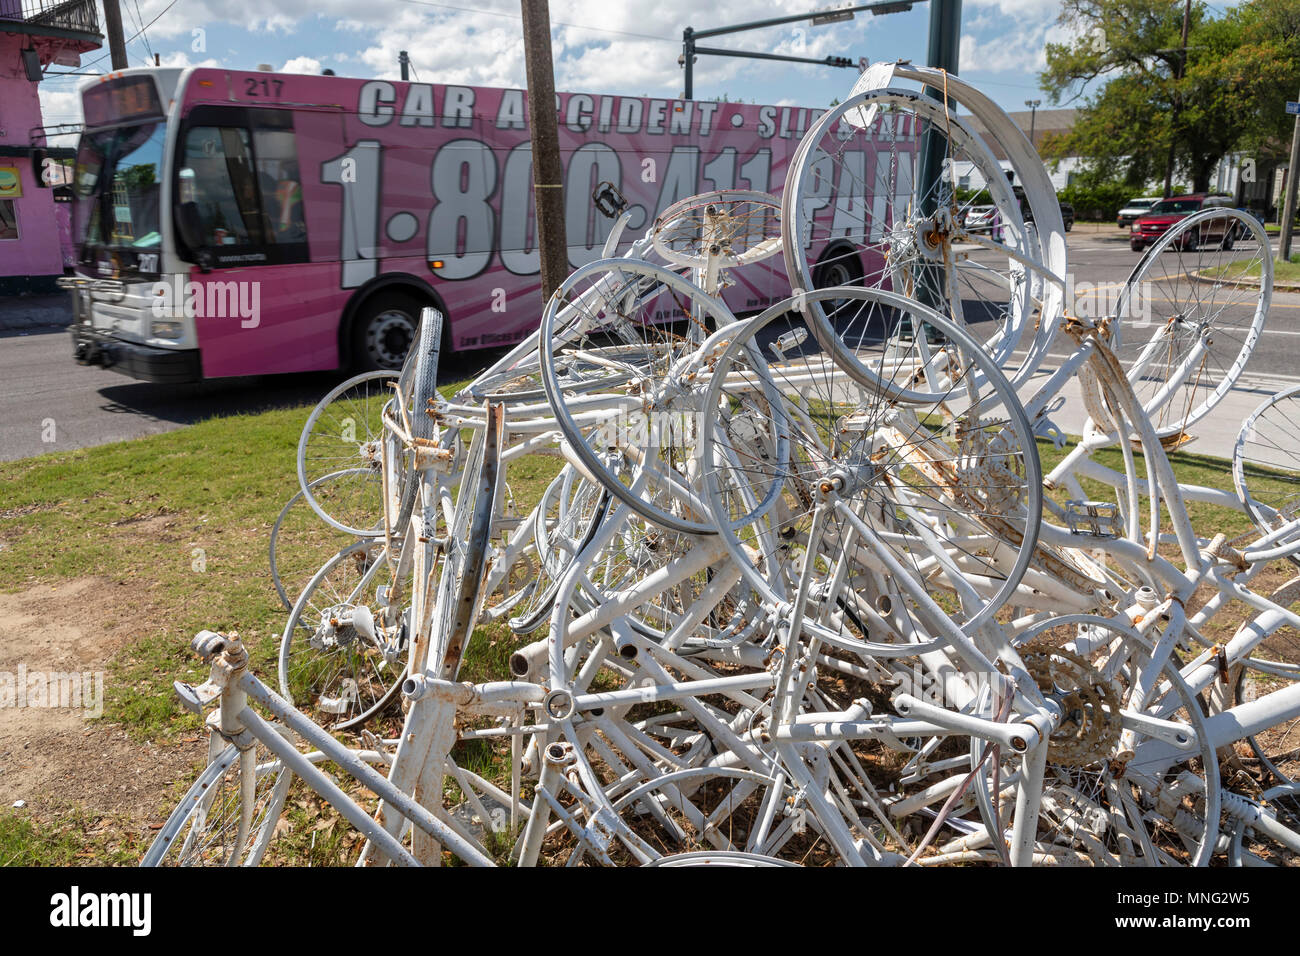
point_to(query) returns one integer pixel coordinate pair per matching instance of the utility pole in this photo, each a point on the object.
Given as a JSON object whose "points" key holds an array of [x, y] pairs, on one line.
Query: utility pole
{"points": [[1179, 73], [1288, 206], [548, 172], [944, 46], [116, 41], [404, 64], [688, 62], [1033, 115]]}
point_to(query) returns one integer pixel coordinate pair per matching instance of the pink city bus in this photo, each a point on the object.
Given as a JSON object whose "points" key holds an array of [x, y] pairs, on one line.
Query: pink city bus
{"points": [[246, 223]]}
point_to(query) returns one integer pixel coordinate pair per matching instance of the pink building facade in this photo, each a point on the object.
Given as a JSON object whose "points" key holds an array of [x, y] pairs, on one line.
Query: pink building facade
{"points": [[35, 234]]}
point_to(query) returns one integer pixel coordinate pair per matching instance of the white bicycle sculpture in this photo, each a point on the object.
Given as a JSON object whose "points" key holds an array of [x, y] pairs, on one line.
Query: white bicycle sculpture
{"points": [[796, 588]]}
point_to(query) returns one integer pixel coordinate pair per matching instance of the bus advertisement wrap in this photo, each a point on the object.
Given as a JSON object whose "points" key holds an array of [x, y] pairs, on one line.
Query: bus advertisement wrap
{"points": [[341, 198]]}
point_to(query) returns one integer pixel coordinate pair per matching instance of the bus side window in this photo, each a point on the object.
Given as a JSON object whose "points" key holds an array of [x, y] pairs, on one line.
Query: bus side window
{"points": [[225, 200], [280, 183], [242, 188], [274, 147]]}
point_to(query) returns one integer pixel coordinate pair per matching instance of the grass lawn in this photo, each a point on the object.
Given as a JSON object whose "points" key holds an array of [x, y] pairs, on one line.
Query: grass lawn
{"points": [[1287, 271], [181, 522], [1282, 271]]}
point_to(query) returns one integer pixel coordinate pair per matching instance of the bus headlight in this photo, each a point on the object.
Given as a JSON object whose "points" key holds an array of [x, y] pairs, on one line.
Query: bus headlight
{"points": [[165, 330]]}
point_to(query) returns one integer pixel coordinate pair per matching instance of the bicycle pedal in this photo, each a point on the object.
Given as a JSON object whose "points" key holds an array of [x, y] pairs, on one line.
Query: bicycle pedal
{"points": [[1093, 519], [196, 699]]}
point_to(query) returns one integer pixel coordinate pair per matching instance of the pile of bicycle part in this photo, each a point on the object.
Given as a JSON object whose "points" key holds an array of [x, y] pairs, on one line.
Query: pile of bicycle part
{"points": [[665, 586]]}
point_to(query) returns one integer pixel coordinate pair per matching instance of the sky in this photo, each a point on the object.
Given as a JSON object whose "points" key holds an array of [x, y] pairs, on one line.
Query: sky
{"points": [[624, 47]]}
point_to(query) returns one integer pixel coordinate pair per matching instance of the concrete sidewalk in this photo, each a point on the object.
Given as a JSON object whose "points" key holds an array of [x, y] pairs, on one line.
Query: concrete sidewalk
{"points": [[1214, 435]]}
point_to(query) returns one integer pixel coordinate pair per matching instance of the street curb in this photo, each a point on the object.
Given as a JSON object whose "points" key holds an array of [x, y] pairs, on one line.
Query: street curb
{"points": [[1277, 286]]}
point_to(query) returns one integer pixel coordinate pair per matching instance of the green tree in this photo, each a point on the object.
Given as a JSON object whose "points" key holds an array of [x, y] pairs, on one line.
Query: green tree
{"points": [[1265, 67], [1166, 104]]}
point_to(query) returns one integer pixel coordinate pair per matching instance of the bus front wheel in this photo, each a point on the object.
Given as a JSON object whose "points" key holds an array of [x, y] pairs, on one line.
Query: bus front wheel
{"points": [[385, 331]]}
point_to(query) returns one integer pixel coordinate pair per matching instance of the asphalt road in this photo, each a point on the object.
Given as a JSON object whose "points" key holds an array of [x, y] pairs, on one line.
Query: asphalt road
{"points": [[49, 403], [1101, 256]]}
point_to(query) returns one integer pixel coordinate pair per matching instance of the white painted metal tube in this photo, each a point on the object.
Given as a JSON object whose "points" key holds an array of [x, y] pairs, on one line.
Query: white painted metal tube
{"points": [[1089, 468], [401, 802], [1260, 552], [326, 787], [1260, 820], [655, 692], [1018, 737], [877, 728], [1029, 802], [1250, 635], [1225, 729]]}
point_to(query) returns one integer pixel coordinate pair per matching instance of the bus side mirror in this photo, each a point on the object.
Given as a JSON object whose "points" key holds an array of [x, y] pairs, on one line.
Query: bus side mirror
{"points": [[190, 230]]}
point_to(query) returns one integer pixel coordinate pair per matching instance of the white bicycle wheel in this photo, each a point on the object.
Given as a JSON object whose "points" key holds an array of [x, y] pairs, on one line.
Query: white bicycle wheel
{"points": [[1190, 314], [568, 516], [345, 433], [343, 650], [228, 816], [722, 229], [856, 213], [1266, 466], [950, 488], [1103, 804], [625, 332], [300, 544]]}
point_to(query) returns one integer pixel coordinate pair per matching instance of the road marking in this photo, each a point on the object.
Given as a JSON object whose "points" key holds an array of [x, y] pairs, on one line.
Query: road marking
{"points": [[1269, 377], [1248, 382]]}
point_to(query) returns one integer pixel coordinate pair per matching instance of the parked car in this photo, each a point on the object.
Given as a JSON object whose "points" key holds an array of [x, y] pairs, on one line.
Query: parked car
{"points": [[981, 218], [1148, 228], [987, 218], [1133, 209], [1067, 215], [1027, 213], [1243, 231]]}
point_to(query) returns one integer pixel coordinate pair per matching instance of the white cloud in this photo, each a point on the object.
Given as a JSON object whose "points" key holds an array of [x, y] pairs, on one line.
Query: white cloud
{"points": [[1037, 9], [615, 45], [181, 19], [1018, 51], [302, 64], [180, 58], [1000, 36], [59, 106]]}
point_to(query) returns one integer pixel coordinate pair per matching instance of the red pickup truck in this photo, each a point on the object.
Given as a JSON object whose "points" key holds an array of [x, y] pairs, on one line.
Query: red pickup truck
{"points": [[1148, 228]]}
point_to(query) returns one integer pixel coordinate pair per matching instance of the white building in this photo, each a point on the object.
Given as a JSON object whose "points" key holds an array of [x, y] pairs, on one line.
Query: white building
{"points": [[1043, 124]]}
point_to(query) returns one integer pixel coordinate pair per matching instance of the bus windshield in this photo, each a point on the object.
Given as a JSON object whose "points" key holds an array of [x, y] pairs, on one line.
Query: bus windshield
{"points": [[117, 187]]}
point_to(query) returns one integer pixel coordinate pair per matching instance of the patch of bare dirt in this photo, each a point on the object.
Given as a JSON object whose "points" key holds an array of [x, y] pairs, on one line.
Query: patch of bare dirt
{"points": [[149, 524], [54, 756]]}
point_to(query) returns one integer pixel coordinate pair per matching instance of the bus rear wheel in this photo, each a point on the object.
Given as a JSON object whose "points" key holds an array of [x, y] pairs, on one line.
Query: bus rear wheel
{"points": [[838, 266], [385, 330]]}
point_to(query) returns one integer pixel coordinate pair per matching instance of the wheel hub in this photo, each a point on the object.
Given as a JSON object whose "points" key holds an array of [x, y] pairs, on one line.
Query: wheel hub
{"points": [[389, 337]]}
